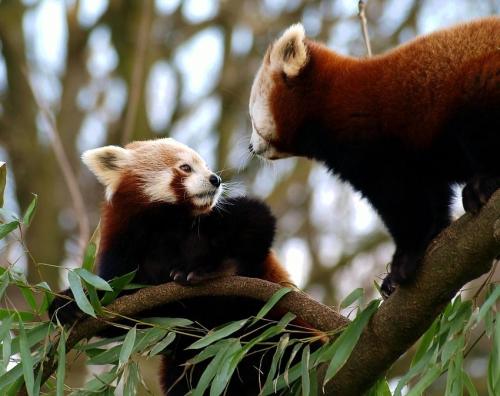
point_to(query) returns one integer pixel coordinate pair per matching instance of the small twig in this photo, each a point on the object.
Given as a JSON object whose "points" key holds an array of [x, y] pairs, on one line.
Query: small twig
{"points": [[136, 85], [364, 27], [65, 166]]}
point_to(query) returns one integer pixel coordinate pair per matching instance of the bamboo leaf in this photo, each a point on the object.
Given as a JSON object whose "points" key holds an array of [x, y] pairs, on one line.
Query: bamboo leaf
{"points": [[223, 332], [81, 299], [61, 364], [26, 360], [278, 354], [128, 346], [4, 283], [271, 303], [306, 382], [6, 341], [344, 344], [211, 369], [109, 356], [430, 376], [93, 279], [30, 212], [132, 380], [162, 344], [354, 296], [6, 229], [226, 369], [89, 257]]}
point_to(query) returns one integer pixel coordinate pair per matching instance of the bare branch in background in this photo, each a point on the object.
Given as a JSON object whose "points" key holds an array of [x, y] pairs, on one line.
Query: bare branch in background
{"points": [[65, 166], [135, 87], [364, 27]]}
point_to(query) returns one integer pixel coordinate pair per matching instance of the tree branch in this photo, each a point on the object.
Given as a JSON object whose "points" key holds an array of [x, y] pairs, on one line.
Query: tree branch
{"points": [[461, 253], [316, 314]]}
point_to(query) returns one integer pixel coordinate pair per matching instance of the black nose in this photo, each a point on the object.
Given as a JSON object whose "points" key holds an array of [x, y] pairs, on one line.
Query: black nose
{"points": [[215, 180], [250, 147]]}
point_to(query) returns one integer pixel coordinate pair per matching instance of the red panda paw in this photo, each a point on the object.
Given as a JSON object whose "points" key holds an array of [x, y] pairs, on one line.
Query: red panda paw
{"points": [[403, 270], [478, 191], [388, 287], [193, 277]]}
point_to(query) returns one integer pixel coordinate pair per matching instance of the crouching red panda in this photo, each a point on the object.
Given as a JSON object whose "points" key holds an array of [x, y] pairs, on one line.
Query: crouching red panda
{"points": [[401, 127], [161, 218]]}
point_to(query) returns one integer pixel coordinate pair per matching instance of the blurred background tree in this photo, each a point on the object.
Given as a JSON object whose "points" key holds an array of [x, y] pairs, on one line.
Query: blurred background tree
{"points": [[112, 71]]}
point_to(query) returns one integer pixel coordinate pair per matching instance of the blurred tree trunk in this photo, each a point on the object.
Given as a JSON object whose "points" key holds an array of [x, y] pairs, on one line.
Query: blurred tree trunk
{"points": [[32, 163]]}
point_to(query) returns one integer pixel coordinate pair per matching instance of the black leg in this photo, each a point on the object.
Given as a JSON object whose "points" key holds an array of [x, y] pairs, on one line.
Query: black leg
{"points": [[478, 191], [414, 215]]}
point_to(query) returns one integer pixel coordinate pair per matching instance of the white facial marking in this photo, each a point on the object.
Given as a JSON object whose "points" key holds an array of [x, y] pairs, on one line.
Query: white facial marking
{"points": [[288, 54], [155, 163]]}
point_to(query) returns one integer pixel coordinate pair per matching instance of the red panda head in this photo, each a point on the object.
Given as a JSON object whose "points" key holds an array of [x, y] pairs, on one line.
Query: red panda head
{"points": [[155, 171], [275, 96]]}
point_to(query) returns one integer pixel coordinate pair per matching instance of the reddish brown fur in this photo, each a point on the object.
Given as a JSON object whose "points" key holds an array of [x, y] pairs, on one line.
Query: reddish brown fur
{"points": [[408, 91]]}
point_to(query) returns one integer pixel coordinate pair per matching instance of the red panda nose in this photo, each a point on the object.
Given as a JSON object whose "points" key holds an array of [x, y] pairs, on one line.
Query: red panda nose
{"points": [[214, 180]]}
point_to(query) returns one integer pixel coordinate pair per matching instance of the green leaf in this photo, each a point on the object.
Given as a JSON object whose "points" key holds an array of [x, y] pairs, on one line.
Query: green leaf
{"points": [[26, 360], [494, 360], [28, 215], [147, 338], [208, 352], [306, 382], [168, 323], [29, 297], [89, 257], [25, 316], [162, 344], [223, 332], [425, 342], [493, 296], [211, 369], [11, 376], [294, 352], [93, 279], [381, 388], [6, 229], [132, 380], [81, 299], [430, 376], [471, 389], [226, 370], [34, 335], [128, 346], [94, 299], [271, 303], [109, 356], [117, 285], [345, 343], [4, 283], [3, 181], [61, 364], [278, 354], [99, 384], [354, 296], [6, 341]]}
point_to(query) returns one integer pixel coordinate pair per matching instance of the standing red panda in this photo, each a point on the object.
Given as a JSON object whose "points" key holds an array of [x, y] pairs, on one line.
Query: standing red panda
{"points": [[401, 127], [160, 218]]}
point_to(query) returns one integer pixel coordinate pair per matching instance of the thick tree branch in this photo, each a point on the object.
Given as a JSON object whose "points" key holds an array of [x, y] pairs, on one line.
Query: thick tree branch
{"points": [[461, 253], [318, 315]]}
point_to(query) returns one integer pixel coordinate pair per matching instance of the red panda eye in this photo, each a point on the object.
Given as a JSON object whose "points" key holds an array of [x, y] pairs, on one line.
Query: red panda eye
{"points": [[186, 168]]}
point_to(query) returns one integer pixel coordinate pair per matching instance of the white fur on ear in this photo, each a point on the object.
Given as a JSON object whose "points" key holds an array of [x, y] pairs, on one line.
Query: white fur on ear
{"points": [[289, 52], [107, 163]]}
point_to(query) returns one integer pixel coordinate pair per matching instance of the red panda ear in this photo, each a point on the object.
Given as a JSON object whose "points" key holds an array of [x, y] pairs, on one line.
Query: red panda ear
{"points": [[107, 164], [289, 52]]}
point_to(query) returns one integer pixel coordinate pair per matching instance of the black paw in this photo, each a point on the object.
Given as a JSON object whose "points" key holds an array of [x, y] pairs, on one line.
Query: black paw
{"points": [[388, 287], [404, 267], [189, 277], [478, 191]]}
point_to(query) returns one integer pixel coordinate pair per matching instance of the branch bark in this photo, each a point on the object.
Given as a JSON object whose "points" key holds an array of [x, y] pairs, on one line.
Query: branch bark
{"points": [[461, 253]]}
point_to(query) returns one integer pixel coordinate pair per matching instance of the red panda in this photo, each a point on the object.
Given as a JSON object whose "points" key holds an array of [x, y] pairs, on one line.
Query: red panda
{"points": [[401, 127], [161, 217]]}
